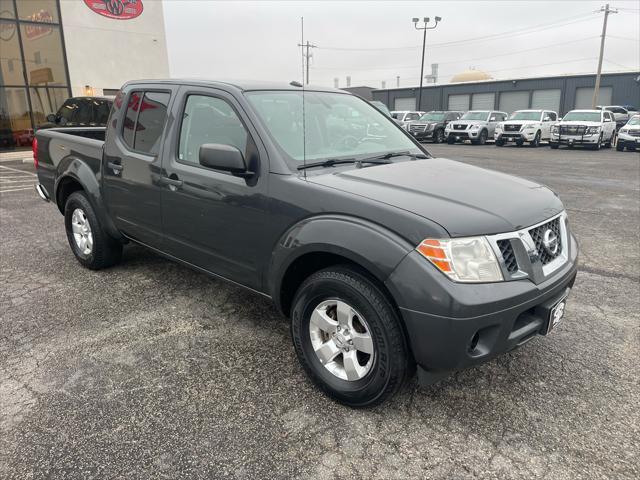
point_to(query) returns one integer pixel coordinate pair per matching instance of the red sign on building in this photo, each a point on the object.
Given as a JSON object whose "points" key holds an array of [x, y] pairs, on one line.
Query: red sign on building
{"points": [[116, 9]]}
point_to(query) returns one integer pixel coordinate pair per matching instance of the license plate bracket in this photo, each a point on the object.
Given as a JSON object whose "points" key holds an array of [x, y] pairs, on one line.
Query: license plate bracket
{"points": [[556, 313]]}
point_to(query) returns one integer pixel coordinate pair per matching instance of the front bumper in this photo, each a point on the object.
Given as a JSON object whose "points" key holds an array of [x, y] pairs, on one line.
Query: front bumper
{"points": [[426, 135], [522, 136], [591, 139], [628, 140], [461, 135], [451, 325]]}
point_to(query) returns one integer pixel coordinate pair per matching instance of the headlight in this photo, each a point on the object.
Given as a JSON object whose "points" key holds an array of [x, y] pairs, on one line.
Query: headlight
{"points": [[592, 130], [474, 127], [469, 260], [528, 125], [624, 130]]}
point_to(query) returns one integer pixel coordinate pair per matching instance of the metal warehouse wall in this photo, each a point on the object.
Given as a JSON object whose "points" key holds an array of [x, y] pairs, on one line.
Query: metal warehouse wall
{"points": [[625, 87]]}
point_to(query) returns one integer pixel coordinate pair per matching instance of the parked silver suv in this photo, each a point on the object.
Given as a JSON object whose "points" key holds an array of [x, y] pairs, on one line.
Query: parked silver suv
{"points": [[475, 125]]}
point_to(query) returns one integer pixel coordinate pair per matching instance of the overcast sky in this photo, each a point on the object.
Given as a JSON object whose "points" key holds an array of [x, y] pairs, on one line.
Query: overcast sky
{"points": [[375, 41]]}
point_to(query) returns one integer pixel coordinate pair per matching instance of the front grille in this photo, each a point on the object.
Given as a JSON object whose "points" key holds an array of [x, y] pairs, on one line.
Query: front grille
{"points": [[572, 129], [546, 254], [506, 249], [459, 127], [417, 128], [634, 133], [511, 128]]}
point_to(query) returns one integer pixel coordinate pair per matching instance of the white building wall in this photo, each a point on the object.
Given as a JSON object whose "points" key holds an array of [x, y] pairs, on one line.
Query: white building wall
{"points": [[104, 53]]}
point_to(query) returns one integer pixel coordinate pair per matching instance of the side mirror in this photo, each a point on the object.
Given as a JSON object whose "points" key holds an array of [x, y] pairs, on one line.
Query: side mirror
{"points": [[224, 157], [51, 118]]}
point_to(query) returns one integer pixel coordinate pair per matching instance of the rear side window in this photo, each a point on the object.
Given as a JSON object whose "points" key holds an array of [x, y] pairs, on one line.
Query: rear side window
{"points": [[144, 121], [209, 120]]}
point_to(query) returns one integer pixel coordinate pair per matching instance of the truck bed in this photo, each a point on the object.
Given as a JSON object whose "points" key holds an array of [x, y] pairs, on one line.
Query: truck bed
{"points": [[57, 147]]}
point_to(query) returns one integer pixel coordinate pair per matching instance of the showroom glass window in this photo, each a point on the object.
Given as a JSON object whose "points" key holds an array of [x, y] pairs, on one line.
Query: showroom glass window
{"points": [[33, 72]]}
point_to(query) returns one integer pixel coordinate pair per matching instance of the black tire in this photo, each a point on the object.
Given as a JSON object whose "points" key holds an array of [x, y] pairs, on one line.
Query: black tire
{"points": [[499, 142], [391, 362], [535, 143], [451, 140], [610, 141], [620, 146], [519, 143], [598, 145], [482, 139], [438, 136], [105, 251], [554, 146]]}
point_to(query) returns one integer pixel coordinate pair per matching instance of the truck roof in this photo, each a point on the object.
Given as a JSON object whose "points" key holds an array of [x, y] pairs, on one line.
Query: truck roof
{"points": [[242, 85]]}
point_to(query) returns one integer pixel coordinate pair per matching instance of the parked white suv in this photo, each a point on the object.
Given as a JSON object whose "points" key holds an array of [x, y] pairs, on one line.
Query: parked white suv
{"points": [[591, 128], [475, 125], [403, 116], [620, 114], [629, 135], [526, 126]]}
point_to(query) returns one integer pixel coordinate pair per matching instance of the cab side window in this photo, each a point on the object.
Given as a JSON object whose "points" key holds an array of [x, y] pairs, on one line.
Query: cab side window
{"points": [[209, 120], [550, 117], [144, 121]]}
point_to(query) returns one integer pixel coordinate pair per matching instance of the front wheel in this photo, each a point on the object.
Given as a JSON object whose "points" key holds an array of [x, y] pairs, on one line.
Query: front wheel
{"points": [[482, 139], [610, 141], [499, 142], [90, 244], [348, 337], [451, 140], [553, 145], [620, 146], [438, 136], [535, 143]]}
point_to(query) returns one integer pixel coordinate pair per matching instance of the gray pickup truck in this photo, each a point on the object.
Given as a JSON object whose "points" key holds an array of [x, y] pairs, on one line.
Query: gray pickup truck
{"points": [[384, 258]]}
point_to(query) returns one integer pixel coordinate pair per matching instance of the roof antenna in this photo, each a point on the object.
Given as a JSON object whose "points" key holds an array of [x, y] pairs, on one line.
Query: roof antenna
{"points": [[295, 84]]}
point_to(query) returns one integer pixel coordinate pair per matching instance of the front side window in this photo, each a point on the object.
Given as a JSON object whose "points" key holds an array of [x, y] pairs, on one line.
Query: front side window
{"points": [[209, 120], [144, 121], [334, 126], [476, 116]]}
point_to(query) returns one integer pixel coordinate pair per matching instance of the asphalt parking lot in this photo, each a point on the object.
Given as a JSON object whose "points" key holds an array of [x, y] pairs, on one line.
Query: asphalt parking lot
{"points": [[151, 370]]}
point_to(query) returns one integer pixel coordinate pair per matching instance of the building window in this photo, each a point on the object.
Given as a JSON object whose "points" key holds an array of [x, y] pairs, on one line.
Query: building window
{"points": [[31, 43]]}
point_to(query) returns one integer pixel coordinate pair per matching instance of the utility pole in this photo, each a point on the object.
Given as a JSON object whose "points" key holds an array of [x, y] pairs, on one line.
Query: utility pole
{"points": [[596, 89], [424, 43], [306, 55]]}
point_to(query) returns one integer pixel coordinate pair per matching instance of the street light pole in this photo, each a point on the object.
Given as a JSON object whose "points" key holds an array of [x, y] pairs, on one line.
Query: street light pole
{"points": [[425, 27]]}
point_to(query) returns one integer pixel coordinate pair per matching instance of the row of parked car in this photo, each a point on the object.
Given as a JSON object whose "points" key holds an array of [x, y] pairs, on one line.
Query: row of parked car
{"points": [[600, 127]]}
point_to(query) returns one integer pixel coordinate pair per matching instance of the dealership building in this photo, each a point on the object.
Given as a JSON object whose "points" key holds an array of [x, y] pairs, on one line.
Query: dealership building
{"points": [[476, 90], [51, 50]]}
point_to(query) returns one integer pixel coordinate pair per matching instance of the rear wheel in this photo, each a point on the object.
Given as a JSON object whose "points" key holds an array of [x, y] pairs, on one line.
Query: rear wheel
{"points": [[91, 245], [348, 337]]}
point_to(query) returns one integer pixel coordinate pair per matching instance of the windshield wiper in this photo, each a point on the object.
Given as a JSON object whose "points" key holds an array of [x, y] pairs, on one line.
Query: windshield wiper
{"points": [[337, 161], [389, 155]]}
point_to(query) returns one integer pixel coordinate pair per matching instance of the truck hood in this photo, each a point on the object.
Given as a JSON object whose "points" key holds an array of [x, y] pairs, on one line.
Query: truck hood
{"points": [[463, 199], [580, 123], [469, 122], [519, 122]]}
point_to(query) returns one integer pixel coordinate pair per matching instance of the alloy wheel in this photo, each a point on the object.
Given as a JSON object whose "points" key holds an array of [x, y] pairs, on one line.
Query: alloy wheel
{"points": [[82, 231], [341, 339]]}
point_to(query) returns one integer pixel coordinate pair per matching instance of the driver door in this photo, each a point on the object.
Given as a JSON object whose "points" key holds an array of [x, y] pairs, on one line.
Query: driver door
{"points": [[212, 219]]}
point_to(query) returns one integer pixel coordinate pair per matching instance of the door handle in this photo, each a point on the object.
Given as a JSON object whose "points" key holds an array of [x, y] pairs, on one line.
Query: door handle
{"points": [[116, 167], [174, 183]]}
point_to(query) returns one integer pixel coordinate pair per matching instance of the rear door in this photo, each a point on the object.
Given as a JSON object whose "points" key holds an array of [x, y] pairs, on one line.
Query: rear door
{"points": [[131, 165], [211, 218]]}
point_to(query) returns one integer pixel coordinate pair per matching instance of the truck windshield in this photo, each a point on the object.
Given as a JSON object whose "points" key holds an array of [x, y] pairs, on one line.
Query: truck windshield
{"points": [[336, 126], [634, 121], [476, 116], [525, 116], [582, 117], [432, 117]]}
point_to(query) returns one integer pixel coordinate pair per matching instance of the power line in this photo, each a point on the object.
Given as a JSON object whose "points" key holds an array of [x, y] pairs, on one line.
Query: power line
{"points": [[510, 33], [453, 62]]}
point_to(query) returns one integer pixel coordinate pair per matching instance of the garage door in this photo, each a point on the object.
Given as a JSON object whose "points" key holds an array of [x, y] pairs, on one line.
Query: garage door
{"points": [[546, 100], [459, 102], [483, 101], [512, 101], [584, 96], [405, 104]]}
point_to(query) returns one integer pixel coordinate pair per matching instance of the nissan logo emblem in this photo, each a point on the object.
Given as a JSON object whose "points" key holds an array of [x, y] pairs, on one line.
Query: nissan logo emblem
{"points": [[550, 242]]}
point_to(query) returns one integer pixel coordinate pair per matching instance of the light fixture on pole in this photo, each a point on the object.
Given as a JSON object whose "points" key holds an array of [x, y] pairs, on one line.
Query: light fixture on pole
{"points": [[424, 28]]}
